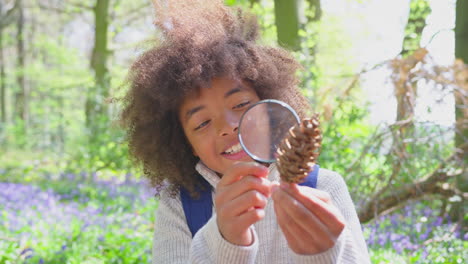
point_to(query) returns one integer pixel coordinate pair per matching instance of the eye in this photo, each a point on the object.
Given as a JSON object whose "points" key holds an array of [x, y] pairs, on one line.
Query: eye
{"points": [[202, 125], [241, 105]]}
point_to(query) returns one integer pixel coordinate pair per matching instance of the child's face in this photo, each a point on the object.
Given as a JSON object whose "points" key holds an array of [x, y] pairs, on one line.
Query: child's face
{"points": [[210, 120]]}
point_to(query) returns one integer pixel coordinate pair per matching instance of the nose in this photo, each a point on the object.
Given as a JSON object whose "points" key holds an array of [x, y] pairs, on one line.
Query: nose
{"points": [[228, 124]]}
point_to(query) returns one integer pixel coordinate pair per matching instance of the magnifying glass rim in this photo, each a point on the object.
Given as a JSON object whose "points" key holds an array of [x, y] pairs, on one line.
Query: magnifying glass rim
{"points": [[281, 103]]}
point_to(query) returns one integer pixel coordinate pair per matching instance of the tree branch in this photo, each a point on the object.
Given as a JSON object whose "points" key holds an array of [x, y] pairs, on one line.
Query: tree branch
{"points": [[428, 185]]}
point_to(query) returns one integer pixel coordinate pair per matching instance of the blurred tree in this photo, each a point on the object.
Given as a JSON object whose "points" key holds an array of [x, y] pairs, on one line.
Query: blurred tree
{"points": [[461, 52], [461, 112], [406, 94], [7, 17], [427, 165], [96, 109], [419, 10], [2, 79], [21, 94], [288, 19]]}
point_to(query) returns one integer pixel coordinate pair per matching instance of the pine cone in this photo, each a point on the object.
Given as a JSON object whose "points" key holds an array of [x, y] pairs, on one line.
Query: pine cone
{"points": [[298, 152]]}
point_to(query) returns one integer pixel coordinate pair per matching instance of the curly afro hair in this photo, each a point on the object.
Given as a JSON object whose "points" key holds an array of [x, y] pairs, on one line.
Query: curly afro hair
{"points": [[185, 60]]}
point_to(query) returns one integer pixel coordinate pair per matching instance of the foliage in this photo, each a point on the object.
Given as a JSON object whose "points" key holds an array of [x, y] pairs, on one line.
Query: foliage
{"points": [[70, 218], [99, 218], [419, 10], [415, 234]]}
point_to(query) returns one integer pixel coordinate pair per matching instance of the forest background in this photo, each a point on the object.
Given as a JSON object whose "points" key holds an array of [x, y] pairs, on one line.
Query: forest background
{"points": [[396, 128]]}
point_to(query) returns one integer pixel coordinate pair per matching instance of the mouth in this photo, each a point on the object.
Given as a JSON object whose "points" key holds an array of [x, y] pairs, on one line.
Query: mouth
{"points": [[234, 149]]}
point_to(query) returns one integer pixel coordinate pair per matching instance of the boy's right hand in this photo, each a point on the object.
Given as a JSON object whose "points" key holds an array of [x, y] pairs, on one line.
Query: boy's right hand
{"points": [[240, 199]]}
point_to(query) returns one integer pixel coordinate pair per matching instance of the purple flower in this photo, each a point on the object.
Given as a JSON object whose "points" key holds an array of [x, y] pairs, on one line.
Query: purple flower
{"points": [[394, 220], [424, 253], [424, 236], [398, 247], [438, 221], [408, 211], [427, 212], [29, 213], [382, 240], [418, 227]]}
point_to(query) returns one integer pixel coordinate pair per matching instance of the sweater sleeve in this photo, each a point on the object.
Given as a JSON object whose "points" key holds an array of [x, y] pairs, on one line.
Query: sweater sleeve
{"points": [[350, 246], [173, 243]]}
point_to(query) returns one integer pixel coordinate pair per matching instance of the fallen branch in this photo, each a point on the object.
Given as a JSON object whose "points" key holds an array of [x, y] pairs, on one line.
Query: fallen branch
{"points": [[431, 184]]}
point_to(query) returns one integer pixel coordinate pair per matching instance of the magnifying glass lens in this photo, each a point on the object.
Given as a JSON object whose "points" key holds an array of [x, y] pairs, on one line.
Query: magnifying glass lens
{"points": [[263, 126]]}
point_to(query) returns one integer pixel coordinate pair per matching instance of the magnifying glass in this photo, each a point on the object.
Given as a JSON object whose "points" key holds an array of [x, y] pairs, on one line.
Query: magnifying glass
{"points": [[263, 126]]}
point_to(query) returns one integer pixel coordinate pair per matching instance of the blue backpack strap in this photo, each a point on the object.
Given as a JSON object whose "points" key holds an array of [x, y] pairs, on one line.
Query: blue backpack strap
{"points": [[197, 211], [311, 179]]}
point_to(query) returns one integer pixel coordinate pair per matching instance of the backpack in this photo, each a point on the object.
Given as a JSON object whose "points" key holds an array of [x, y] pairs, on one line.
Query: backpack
{"points": [[199, 211]]}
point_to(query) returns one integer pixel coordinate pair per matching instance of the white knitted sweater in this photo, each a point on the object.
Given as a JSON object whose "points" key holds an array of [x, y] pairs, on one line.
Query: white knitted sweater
{"points": [[173, 241]]}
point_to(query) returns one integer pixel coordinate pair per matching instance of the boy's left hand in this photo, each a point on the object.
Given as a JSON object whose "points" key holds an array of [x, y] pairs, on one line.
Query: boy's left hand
{"points": [[308, 218]]}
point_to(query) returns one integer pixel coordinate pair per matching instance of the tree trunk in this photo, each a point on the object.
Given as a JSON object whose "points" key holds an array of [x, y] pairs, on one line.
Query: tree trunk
{"points": [[20, 112], [461, 52], [407, 93], [288, 22], [96, 110], [2, 80], [461, 113], [406, 89], [419, 10]]}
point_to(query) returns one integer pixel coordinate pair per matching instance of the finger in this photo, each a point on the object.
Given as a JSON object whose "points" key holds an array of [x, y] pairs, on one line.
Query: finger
{"points": [[309, 224], [248, 183], [294, 234], [294, 189], [326, 212], [225, 194], [241, 169], [245, 202], [249, 218], [284, 222]]}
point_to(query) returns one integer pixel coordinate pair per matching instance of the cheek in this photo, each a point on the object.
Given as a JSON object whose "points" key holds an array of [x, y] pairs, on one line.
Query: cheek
{"points": [[203, 147], [197, 144]]}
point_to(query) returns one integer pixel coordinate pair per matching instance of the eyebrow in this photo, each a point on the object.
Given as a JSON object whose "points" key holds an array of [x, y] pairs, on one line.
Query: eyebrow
{"points": [[237, 89], [194, 110]]}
